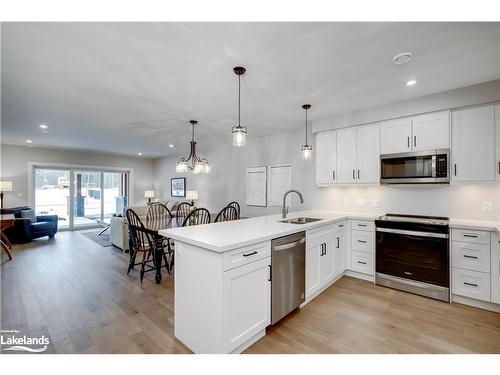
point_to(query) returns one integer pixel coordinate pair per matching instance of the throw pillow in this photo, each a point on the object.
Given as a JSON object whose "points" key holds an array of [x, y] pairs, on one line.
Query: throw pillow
{"points": [[28, 214]]}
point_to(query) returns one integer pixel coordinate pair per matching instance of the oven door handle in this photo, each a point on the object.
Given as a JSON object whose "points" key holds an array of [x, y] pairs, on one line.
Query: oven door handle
{"points": [[413, 233]]}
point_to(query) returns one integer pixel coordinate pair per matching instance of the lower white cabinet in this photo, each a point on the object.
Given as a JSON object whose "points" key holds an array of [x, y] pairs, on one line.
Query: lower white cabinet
{"points": [[470, 256], [325, 256], [471, 284], [247, 302], [495, 269]]}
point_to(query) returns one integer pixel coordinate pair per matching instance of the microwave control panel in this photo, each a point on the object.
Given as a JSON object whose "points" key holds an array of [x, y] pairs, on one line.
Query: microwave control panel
{"points": [[441, 166]]}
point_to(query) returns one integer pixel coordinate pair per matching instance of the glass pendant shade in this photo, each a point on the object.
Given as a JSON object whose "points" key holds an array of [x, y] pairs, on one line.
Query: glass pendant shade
{"points": [[181, 166], [239, 136], [306, 152]]}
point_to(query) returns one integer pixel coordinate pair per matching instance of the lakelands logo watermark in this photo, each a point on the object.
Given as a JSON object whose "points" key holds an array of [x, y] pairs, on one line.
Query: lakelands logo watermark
{"points": [[11, 340]]}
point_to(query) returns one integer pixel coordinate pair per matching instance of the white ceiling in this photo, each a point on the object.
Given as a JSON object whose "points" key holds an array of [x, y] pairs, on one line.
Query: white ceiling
{"points": [[132, 87]]}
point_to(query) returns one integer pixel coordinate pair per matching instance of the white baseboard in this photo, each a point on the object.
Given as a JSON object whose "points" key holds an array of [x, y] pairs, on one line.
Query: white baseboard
{"points": [[495, 307], [359, 275], [252, 340]]}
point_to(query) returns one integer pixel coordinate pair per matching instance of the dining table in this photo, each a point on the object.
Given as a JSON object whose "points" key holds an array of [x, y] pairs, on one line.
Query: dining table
{"points": [[153, 226]]}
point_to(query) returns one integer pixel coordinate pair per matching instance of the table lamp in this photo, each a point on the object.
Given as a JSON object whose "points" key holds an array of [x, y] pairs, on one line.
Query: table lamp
{"points": [[149, 194], [4, 186], [192, 195]]}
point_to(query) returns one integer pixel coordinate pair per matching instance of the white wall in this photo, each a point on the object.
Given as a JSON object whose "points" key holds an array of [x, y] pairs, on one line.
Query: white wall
{"points": [[227, 182], [15, 160]]}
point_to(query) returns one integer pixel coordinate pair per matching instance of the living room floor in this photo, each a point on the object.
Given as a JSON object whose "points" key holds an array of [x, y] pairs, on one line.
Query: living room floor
{"points": [[78, 294]]}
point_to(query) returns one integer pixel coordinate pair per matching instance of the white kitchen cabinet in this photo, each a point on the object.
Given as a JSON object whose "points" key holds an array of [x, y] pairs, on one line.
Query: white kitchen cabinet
{"points": [[339, 250], [346, 155], [495, 269], [431, 131], [395, 136], [497, 141], [313, 268], [327, 266], [471, 284], [247, 302], [326, 158], [368, 153], [473, 144]]}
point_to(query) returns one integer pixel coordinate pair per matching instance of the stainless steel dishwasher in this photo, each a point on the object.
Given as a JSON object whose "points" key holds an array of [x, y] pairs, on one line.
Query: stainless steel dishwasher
{"points": [[288, 284]]}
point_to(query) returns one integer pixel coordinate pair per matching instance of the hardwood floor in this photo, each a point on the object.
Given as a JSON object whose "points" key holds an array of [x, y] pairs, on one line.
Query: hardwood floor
{"points": [[77, 293]]}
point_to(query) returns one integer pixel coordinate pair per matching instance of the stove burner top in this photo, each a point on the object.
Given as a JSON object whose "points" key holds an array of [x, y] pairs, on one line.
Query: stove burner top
{"points": [[429, 220]]}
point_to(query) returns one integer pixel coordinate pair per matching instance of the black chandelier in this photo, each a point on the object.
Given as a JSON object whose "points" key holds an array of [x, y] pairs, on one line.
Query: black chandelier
{"points": [[194, 163]]}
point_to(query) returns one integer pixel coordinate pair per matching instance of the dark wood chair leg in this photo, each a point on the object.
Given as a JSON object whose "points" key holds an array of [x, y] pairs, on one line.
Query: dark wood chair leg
{"points": [[143, 265], [6, 248], [131, 263]]}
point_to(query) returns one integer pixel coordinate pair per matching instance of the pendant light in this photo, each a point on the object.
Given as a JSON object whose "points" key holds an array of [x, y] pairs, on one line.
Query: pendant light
{"points": [[306, 149], [193, 162], [239, 132]]}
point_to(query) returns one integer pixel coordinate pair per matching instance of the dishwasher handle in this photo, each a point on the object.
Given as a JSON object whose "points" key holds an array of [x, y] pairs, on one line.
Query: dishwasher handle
{"points": [[289, 245]]}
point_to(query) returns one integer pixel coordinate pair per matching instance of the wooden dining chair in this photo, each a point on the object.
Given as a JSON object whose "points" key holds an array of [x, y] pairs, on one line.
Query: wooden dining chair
{"points": [[140, 241], [183, 210], [228, 213], [236, 206], [197, 217], [158, 216]]}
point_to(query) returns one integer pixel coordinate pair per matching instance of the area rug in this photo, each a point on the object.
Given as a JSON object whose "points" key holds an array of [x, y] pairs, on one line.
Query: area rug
{"points": [[102, 240]]}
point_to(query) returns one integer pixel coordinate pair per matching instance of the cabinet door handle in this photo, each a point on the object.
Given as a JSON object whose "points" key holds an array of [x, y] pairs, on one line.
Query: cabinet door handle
{"points": [[360, 262], [470, 284], [270, 273], [362, 225], [469, 256], [455, 167], [415, 141], [321, 252], [341, 225], [471, 235], [499, 167], [362, 241], [333, 175], [250, 254], [408, 142], [325, 250], [358, 174], [338, 242], [353, 174]]}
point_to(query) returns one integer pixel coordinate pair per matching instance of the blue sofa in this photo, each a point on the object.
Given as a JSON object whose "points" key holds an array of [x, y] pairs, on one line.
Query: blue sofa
{"points": [[28, 228]]}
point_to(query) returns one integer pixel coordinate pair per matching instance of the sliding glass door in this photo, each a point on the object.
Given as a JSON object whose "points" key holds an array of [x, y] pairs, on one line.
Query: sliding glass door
{"points": [[52, 194], [81, 198]]}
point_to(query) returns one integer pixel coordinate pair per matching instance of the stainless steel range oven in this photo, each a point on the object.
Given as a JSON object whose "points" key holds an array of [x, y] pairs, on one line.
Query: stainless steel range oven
{"points": [[412, 254]]}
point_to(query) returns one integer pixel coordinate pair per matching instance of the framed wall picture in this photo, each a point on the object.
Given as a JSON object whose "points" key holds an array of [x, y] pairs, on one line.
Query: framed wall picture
{"points": [[178, 187]]}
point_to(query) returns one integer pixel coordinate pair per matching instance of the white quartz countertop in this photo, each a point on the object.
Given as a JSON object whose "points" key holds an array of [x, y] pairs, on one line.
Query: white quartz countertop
{"points": [[475, 224], [221, 237]]}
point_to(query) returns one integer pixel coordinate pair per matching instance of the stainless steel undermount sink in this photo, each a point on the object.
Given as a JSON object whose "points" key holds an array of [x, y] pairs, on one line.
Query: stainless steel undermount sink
{"points": [[300, 220]]}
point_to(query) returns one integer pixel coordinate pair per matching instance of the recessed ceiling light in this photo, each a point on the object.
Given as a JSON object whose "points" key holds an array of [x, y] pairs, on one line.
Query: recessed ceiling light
{"points": [[139, 153], [29, 141], [171, 146], [411, 82], [402, 58], [43, 126]]}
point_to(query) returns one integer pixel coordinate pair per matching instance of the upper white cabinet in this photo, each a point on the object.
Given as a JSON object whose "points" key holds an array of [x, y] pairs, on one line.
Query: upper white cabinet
{"points": [[417, 133], [431, 131], [473, 144], [395, 136], [368, 153], [497, 140], [346, 154], [326, 158]]}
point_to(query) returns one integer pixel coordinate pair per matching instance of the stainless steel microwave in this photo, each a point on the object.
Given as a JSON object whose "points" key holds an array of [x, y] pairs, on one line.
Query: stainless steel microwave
{"points": [[422, 167]]}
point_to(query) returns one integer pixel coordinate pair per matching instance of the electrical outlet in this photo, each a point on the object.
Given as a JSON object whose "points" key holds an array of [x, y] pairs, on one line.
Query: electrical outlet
{"points": [[346, 202], [487, 206], [360, 201], [375, 203]]}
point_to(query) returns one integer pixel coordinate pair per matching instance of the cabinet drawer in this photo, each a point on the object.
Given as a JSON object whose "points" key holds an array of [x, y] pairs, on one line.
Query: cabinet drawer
{"points": [[362, 241], [471, 284], [247, 254], [362, 262], [363, 225], [470, 256], [472, 236]]}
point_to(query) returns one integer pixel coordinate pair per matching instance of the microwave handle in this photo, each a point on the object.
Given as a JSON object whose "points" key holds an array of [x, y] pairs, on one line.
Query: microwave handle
{"points": [[433, 165]]}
